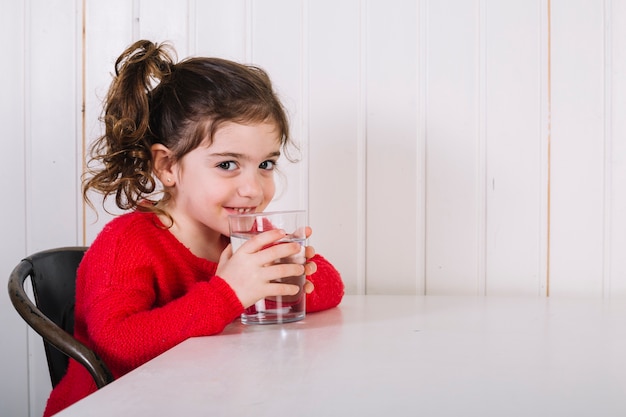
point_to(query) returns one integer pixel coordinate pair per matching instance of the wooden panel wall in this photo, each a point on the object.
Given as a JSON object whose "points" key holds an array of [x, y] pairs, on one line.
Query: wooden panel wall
{"points": [[448, 146], [13, 346]]}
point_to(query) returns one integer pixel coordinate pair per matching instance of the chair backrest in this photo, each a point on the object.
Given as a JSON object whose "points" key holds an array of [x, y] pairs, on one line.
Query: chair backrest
{"points": [[53, 277]]}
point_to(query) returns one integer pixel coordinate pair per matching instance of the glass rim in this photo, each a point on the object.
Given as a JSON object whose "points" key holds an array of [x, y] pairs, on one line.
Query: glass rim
{"points": [[267, 213]]}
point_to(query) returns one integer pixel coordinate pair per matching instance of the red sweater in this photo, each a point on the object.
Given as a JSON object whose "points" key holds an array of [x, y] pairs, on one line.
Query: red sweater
{"points": [[140, 292]]}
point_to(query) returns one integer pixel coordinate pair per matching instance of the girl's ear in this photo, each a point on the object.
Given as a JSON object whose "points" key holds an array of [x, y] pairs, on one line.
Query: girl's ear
{"points": [[163, 164]]}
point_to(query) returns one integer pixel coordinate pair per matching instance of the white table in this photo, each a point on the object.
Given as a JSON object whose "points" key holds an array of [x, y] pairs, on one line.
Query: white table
{"points": [[393, 356]]}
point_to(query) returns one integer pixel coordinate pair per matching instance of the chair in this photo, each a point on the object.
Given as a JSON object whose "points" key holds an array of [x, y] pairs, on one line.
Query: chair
{"points": [[53, 277]]}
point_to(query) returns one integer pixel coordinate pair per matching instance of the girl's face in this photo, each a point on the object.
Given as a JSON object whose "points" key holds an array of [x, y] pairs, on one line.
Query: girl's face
{"points": [[235, 174]]}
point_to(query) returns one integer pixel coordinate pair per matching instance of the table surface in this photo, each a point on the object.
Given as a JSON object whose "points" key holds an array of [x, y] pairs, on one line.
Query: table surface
{"points": [[394, 356]]}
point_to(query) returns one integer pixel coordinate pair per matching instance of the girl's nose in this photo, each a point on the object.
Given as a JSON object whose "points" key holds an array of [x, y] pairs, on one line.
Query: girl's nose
{"points": [[250, 186]]}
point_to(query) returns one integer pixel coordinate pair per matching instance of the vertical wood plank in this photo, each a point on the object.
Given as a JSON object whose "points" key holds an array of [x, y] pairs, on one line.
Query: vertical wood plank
{"points": [[109, 30], [452, 106], [577, 151], [51, 136], [334, 125], [285, 67], [514, 146], [392, 133], [52, 123], [615, 286], [165, 20], [220, 29], [13, 346]]}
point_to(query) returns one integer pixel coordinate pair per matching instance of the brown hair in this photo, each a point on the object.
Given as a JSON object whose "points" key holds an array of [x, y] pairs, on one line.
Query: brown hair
{"points": [[152, 100]]}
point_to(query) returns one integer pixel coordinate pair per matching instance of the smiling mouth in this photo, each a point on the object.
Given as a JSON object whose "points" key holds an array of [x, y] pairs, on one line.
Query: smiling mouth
{"points": [[242, 210]]}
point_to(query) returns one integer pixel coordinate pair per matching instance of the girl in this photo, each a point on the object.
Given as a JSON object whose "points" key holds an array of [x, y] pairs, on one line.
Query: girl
{"points": [[211, 132]]}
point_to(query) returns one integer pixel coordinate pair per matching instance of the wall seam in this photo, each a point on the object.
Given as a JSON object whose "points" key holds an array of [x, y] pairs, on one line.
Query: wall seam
{"points": [[248, 46], [192, 30], [83, 132], [548, 144], [304, 105], [27, 186], [608, 142], [421, 129], [362, 154], [481, 157]]}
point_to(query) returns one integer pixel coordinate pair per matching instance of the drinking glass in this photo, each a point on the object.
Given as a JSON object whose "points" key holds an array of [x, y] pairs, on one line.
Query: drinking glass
{"points": [[277, 309]]}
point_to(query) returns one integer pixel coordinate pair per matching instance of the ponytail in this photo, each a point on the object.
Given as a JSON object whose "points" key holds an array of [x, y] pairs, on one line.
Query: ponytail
{"points": [[121, 159]]}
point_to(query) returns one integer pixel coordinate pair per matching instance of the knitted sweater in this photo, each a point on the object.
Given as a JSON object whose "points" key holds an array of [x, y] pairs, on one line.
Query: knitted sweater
{"points": [[140, 292]]}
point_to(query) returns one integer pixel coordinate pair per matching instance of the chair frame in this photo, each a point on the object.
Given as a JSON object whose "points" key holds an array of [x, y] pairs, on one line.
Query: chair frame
{"points": [[52, 333]]}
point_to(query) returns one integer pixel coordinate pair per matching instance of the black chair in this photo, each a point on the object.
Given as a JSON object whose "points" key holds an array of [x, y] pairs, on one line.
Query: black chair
{"points": [[53, 277]]}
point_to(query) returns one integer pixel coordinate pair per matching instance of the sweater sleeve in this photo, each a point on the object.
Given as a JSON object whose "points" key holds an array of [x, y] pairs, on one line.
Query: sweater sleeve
{"points": [[137, 305], [329, 288]]}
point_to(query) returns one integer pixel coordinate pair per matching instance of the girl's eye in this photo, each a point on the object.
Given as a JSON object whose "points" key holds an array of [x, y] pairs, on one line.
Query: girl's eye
{"points": [[227, 165], [268, 165]]}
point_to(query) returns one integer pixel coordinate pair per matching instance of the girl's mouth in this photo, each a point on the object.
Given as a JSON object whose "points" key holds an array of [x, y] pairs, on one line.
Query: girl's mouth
{"points": [[241, 210]]}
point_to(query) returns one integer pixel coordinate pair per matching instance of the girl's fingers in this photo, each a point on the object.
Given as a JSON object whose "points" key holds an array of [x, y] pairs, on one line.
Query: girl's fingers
{"points": [[278, 271], [288, 252], [310, 268], [268, 248], [309, 252], [259, 241], [283, 289]]}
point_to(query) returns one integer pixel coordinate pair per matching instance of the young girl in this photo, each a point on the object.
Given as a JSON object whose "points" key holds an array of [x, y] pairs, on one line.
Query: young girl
{"points": [[211, 131]]}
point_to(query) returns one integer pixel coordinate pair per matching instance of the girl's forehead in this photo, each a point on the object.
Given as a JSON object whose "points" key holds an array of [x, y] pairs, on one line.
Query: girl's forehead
{"points": [[231, 127], [264, 134]]}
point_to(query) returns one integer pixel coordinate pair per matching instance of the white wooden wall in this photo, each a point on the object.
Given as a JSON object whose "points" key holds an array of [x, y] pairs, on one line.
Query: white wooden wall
{"points": [[449, 146]]}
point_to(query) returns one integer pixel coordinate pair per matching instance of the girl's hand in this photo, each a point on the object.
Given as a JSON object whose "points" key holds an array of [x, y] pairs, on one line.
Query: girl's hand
{"points": [[252, 268]]}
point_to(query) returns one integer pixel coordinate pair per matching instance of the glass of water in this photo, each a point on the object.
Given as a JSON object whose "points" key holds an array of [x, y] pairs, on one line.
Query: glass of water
{"points": [[278, 309]]}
